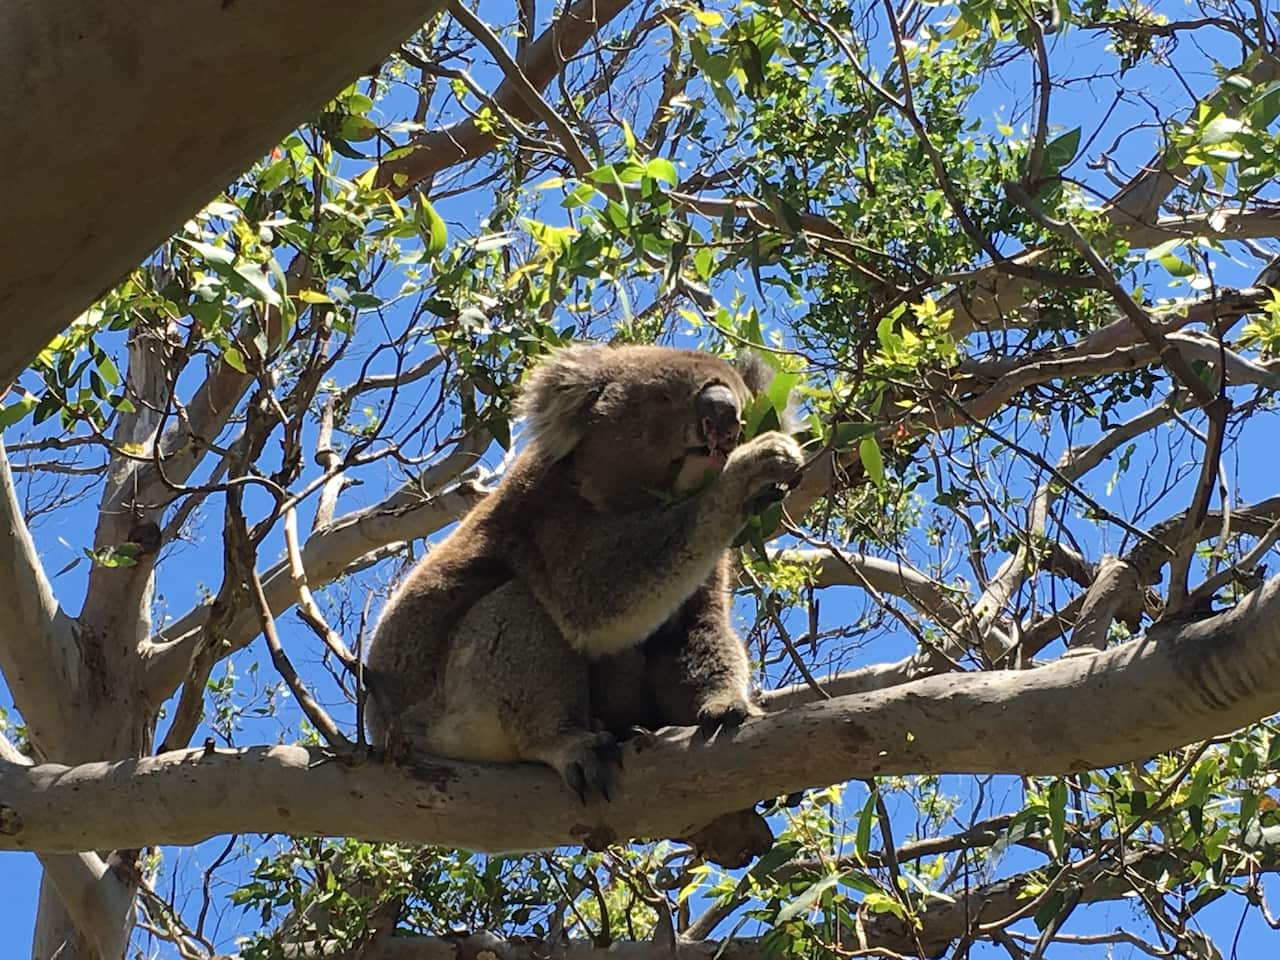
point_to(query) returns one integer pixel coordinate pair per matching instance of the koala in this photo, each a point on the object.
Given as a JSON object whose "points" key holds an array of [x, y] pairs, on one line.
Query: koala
{"points": [[692, 671], [608, 535]]}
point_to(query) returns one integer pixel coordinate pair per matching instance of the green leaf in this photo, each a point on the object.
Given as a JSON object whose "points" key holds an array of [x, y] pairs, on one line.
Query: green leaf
{"points": [[1177, 267], [862, 838], [883, 903], [493, 241], [806, 900], [435, 235], [14, 412], [869, 451], [253, 274], [661, 169], [1051, 907], [1059, 152], [846, 434], [107, 368], [1058, 816], [234, 359], [780, 854], [579, 197], [704, 262], [214, 255], [357, 129], [779, 392], [1220, 130]]}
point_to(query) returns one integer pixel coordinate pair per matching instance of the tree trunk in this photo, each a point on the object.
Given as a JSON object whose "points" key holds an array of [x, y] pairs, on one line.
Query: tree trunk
{"points": [[112, 157]]}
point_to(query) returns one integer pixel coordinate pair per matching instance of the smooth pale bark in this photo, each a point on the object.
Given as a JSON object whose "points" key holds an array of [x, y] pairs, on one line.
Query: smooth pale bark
{"points": [[1178, 686], [124, 118], [38, 645]]}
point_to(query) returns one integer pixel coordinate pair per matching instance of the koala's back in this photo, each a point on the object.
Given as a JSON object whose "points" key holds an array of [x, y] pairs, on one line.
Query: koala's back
{"points": [[504, 642]]}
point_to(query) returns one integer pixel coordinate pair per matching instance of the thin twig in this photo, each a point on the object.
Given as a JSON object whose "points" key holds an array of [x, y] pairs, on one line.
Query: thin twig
{"points": [[248, 561], [307, 607]]}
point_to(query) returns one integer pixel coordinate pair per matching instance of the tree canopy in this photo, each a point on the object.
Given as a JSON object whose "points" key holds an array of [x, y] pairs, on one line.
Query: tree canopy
{"points": [[1014, 629]]}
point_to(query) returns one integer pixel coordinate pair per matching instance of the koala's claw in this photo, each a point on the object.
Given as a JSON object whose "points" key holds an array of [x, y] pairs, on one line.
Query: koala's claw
{"points": [[589, 769], [724, 716], [587, 776]]}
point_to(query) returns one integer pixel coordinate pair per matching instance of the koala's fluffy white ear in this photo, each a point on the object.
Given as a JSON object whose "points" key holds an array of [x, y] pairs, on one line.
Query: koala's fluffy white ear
{"points": [[556, 396]]}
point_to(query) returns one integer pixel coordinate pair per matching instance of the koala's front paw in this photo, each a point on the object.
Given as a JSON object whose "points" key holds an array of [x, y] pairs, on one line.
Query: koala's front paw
{"points": [[586, 765], [763, 463], [725, 711]]}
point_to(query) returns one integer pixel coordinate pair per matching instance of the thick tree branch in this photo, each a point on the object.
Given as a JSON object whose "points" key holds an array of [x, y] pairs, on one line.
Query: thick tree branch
{"points": [[38, 653], [123, 77], [1222, 224], [1180, 685], [98, 901], [544, 58]]}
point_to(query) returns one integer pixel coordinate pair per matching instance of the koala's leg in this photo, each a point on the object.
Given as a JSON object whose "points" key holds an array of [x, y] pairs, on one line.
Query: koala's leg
{"points": [[656, 557], [622, 699], [410, 643], [698, 667], [734, 839], [700, 674], [515, 690]]}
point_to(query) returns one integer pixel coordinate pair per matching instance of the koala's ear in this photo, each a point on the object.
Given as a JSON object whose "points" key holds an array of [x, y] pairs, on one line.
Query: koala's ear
{"points": [[758, 375], [557, 395], [755, 372]]}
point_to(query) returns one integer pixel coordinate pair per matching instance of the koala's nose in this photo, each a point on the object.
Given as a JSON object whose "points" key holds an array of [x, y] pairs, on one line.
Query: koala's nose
{"points": [[718, 415]]}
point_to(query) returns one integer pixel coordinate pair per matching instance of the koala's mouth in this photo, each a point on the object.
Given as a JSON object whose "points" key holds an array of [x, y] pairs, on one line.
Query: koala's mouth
{"points": [[706, 458], [716, 450]]}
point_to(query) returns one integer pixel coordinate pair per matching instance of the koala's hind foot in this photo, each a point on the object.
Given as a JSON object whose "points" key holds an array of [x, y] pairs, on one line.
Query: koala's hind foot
{"points": [[733, 840], [586, 761]]}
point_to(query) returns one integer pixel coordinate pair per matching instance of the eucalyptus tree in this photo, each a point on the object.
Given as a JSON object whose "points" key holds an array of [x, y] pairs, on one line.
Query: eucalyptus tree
{"points": [[1014, 629]]}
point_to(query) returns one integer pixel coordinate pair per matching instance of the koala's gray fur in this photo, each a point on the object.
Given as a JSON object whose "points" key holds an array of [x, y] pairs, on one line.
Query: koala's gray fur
{"points": [[598, 542]]}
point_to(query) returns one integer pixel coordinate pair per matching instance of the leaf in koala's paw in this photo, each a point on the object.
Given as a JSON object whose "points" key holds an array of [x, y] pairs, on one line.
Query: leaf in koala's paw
{"points": [[752, 535]]}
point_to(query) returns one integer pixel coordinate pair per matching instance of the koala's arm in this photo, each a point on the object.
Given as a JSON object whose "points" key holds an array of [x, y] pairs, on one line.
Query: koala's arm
{"points": [[609, 580]]}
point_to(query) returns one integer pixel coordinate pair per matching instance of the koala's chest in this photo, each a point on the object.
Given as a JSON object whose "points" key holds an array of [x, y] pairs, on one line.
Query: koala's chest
{"points": [[634, 617]]}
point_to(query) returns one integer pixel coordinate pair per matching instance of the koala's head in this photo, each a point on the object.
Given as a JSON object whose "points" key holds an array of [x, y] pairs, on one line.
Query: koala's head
{"points": [[638, 421]]}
